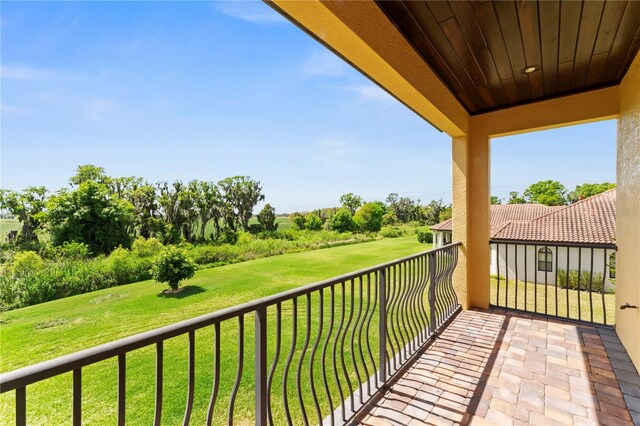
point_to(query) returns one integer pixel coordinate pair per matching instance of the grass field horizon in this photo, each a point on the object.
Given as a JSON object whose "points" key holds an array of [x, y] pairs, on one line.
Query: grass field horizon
{"points": [[52, 329]]}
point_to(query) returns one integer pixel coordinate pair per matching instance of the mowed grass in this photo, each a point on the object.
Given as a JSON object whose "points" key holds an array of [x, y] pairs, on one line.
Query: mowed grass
{"points": [[8, 225], [42, 332], [565, 303]]}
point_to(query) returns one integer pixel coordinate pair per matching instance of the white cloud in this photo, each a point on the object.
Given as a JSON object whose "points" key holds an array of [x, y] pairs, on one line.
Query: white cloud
{"points": [[27, 73], [323, 64], [11, 109], [337, 152], [371, 92], [250, 11]]}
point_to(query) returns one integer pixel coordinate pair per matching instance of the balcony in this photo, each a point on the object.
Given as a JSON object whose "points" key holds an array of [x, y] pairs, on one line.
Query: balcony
{"points": [[504, 367], [314, 356]]}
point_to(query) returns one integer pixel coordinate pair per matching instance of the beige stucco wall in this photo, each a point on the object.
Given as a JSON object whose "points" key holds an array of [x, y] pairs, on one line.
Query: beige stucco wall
{"points": [[470, 195], [628, 212]]}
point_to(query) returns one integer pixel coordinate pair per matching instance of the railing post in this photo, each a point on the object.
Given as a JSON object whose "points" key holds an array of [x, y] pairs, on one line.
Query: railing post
{"points": [[261, 366], [432, 292], [382, 324]]}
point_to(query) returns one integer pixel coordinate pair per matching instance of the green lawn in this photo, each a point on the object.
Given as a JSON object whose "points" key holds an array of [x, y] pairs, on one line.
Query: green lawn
{"points": [[8, 225], [579, 303], [41, 332]]}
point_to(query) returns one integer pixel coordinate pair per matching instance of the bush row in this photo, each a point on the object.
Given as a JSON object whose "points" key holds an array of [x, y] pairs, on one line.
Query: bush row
{"points": [[29, 279]]}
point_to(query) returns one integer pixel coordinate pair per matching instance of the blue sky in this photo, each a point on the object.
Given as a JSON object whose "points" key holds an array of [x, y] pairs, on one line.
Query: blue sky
{"points": [[206, 90]]}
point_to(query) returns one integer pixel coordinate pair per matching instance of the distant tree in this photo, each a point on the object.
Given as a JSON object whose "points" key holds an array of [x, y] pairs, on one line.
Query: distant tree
{"points": [[405, 209], [433, 211], [368, 218], [495, 200], [342, 221], [90, 214], [208, 204], [89, 172], [144, 200], [241, 194], [297, 220], [313, 222], [392, 198], [172, 266], [267, 218], [587, 190], [445, 214], [351, 202], [390, 218], [547, 192], [27, 206], [177, 210], [515, 198]]}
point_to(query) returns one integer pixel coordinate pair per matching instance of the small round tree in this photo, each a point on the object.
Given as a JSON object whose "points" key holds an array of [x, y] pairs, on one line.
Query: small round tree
{"points": [[171, 267], [342, 221]]}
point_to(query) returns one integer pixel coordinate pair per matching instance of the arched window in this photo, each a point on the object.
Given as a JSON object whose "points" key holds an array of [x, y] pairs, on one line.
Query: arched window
{"points": [[545, 260], [612, 265]]}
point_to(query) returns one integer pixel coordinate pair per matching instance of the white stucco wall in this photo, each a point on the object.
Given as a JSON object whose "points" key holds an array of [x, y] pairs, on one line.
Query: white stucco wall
{"points": [[578, 259]]}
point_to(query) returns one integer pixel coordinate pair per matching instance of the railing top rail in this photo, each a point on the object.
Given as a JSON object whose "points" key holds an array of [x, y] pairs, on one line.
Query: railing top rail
{"points": [[66, 363], [555, 244]]}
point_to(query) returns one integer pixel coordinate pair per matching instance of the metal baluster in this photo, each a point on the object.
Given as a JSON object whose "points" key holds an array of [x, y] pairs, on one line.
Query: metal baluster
{"points": [[324, 355], [216, 373], [122, 388], [579, 284], [546, 279], [276, 359], [305, 346], [567, 288], [556, 264], [591, 285], [261, 377], [77, 397], [313, 354], [335, 346], [381, 342], [285, 376], [236, 386], [382, 325], [604, 280], [342, 354], [526, 281], [497, 274], [506, 279], [432, 293], [535, 278], [515, 256], [391, 311], [364, 320], [357, 328], [192, 377], [158, 409], [21, 406]]}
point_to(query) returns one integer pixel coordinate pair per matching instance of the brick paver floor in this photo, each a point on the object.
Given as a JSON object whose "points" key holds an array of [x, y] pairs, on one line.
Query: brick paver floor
{"points": [[500, 367]]}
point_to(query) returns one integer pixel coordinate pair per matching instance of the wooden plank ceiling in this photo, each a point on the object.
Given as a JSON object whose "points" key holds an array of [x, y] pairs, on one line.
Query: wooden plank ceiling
{"points": [[480, 49]]}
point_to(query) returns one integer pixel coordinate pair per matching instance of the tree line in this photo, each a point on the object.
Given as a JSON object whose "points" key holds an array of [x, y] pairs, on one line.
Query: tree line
{"points": [[105, 212], [553, 193], [357, 215]]}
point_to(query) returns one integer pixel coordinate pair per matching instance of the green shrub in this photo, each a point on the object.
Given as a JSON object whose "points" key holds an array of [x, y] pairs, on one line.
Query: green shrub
{"points": [[128, 268], [230, 237], [390, 232], [298, 220], [172, 266], [342, 221], [72, 250], [596, 283], [146, 247], [425, 237], [368, 218], [313, 222], [267, 218], [26, 261]]}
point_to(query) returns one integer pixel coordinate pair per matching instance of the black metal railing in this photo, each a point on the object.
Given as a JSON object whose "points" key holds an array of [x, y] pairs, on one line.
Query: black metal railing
{"points": [[573, 281], [319, 353]]}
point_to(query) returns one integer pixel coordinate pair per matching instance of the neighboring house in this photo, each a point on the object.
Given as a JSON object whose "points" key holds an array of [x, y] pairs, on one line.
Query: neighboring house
{"points": [[549, 240]]}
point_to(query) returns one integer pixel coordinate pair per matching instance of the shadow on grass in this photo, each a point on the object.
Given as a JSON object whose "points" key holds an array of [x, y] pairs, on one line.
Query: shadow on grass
{"points": [[187, 291]]}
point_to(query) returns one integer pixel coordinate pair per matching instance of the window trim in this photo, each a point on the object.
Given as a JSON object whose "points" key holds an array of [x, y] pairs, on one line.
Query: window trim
{"points": [[546, 263]]}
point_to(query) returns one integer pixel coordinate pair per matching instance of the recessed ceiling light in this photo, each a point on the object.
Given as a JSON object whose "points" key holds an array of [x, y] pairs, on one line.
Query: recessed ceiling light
{"points": [[529, 70]]}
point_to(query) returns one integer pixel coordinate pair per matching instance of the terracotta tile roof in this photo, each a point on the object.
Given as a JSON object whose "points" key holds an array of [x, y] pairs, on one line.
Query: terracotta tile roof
{"points": [[592, 220], [503, 213]]}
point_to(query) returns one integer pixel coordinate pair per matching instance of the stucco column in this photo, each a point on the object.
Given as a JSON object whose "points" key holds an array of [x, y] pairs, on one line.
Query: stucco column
{"points": [[628, 213], [471, 172]]}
